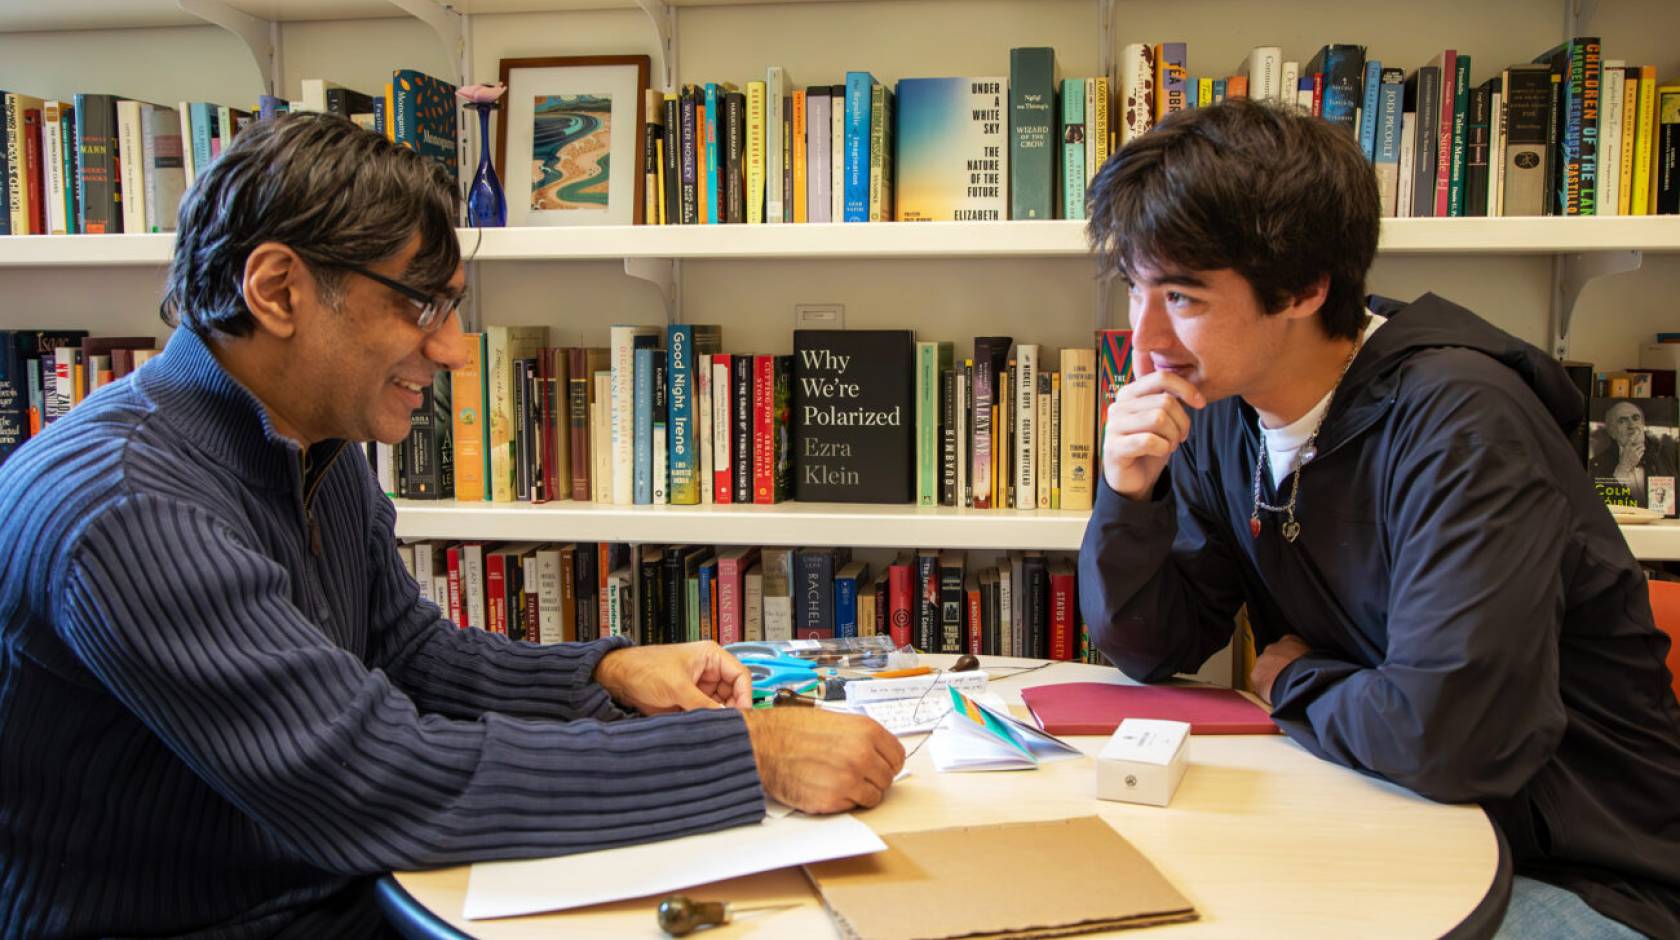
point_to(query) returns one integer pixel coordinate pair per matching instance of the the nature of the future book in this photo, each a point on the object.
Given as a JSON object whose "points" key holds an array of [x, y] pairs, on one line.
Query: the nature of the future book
{"points": [[853, 416], [1633, 449], [953, 149]]}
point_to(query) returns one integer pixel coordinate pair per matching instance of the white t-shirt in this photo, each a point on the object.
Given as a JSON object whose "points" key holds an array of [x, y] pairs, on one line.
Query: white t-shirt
{"points": [[1283, 445]]}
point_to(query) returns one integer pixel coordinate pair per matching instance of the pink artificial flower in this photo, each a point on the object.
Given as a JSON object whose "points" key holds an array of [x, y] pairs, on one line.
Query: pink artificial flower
{"points": [[481, 94]]}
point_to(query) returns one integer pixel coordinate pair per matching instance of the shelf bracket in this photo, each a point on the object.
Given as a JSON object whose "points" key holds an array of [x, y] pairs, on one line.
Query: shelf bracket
{"points": [[1571, 273], [664, 17], [260, 36], [448, 24], [1577, 17], [1106, 30], [664, 274]]}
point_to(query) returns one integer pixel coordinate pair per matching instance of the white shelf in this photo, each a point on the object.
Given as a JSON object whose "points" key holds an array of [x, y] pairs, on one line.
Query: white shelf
{"points": [[1658, 541], [864, 526], [894, 240], [807, 524], [53, 15]]}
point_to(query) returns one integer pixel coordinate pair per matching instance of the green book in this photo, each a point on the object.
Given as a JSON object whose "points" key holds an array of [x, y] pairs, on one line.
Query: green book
{"points": [[1073, 148], [1460, 142], [1033, 149], [931, 360]]}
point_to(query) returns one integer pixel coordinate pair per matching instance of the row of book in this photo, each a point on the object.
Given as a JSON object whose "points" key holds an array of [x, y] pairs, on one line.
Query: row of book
{"points": [[1570, 134], [664, 416], [45, 373], [1018, 604], [104, 164]]}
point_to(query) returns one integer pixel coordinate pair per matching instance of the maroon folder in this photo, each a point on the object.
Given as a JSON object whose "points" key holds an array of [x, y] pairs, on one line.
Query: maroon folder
{"points": [[1098, 707]]}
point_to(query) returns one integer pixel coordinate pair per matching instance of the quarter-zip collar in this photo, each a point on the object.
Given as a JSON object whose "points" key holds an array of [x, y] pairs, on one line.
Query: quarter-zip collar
{"points": [[224, 419]]}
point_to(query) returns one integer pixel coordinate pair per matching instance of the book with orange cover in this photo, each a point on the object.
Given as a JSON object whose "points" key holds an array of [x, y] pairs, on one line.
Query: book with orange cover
{"points": [[1099, 707]]}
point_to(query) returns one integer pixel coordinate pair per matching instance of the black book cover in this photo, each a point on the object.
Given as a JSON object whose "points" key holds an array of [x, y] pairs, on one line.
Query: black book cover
{"points": [[925, 584], [781, 426], [98, 185], [348, 101], [1633, 456], [1528, 156], [1037, 607], [952, 602], [1423, 98], [649, 594], [673, 613], [585, 580], [948, 437], [689, 171], [521, 429], [674, 141], [852, 405], [1667, 160], [734, 208], [813, 590], [787, 158], [1478, 131], [741, 428]]}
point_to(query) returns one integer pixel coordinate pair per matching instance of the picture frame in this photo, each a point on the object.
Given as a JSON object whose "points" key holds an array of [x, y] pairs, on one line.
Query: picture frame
{"points": [[562, 116]]}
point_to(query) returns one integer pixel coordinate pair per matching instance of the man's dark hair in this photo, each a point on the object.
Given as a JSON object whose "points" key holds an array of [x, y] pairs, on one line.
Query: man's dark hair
{"points": [[1278, 196], [334, 193]]}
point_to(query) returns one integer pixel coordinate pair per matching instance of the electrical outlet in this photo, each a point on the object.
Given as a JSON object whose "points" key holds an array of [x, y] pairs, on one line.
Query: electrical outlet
{"points": [[819, 316]]}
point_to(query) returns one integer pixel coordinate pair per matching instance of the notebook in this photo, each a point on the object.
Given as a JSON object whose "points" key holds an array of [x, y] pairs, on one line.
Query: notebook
{"points": [[1064, 876], [978, 736], [1098, 707]]}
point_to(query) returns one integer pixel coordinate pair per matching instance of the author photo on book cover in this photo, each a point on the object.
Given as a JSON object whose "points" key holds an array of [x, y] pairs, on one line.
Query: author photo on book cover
{"points": [[1439, 598], [1633, 442]]}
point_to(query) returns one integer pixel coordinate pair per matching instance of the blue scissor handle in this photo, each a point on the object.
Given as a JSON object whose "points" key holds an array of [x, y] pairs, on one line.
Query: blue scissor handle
{"points": [[770, 672]]}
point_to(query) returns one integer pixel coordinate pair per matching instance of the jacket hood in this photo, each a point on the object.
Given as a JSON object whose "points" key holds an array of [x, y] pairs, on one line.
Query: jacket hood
{"points": [[1431, 322]]}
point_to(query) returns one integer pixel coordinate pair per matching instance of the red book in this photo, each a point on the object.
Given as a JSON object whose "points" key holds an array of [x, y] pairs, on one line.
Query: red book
{"points": [[731, 593], [603, 571], [1099, 707], [579, 382], [1063, 602], [976, 619], [452, 557], [764, 441], [495, 592], [1318, 94], [901, 600], [32, 174]]}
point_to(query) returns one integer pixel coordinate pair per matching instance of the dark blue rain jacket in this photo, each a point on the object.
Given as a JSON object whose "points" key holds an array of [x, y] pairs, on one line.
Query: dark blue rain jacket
{"points": [[1480, 631]]}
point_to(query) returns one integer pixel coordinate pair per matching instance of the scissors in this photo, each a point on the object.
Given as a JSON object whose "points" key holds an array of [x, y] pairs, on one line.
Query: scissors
{"points": [[771, 672]]}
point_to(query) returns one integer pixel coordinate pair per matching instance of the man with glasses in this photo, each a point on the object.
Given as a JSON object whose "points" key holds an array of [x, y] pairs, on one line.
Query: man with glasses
{"points": [[223, 705]]}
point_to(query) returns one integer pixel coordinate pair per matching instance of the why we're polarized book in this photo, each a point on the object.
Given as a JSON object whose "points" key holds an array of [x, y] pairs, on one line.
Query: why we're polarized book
{"points": [[853, 416]]}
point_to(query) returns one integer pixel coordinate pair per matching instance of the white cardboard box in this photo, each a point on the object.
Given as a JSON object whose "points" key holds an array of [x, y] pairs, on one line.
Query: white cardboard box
{"points": [[1143, 761]]}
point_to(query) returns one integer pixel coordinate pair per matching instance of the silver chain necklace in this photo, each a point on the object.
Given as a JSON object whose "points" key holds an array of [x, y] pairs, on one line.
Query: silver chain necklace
{"points": [[1292, 529]]}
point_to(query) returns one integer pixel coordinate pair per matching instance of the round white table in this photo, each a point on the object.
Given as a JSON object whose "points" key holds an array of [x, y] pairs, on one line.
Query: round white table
{"points": [[1265, 840]]}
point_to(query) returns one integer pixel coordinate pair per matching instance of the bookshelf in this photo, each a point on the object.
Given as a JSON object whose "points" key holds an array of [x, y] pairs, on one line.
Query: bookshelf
{"points": [[950, 280], [898, 240]]}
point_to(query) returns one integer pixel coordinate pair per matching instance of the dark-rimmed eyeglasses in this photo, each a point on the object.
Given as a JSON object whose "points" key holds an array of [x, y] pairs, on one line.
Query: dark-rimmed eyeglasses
{"points": [[433, 311]]}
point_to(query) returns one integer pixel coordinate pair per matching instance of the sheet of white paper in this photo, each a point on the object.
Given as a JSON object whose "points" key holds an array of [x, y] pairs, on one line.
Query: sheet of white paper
{"points": [[507, 889]]}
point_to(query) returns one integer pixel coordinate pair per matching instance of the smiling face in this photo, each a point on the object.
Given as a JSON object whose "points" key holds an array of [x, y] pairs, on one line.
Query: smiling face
{"points": [[357, 366], [1209, 328]]}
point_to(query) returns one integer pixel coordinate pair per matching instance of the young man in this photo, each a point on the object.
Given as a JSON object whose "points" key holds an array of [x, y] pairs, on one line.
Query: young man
{"points": [[223, 705], [1439, 597]]}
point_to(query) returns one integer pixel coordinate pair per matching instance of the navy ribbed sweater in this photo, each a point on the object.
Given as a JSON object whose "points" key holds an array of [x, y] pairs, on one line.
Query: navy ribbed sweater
{"points": [[223, 704]]}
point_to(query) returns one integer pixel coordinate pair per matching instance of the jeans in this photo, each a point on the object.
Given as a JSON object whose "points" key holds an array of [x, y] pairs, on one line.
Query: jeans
{"points": [[1540, 911]]}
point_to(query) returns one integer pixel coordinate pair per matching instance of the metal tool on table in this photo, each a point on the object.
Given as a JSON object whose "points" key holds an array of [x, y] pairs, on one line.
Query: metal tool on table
{"points": [[679, 916]]}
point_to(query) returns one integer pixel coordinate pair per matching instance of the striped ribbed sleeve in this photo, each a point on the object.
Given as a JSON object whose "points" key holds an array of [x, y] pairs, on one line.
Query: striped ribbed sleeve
{"points": [[465, 673], [196, 633]]}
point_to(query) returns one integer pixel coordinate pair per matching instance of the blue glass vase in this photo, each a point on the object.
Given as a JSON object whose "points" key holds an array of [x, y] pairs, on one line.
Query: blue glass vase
{"points": [[486, 206]]}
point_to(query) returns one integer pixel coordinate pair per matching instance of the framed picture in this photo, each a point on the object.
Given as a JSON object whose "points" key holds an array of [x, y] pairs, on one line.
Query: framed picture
{"points": [[569, 142]]}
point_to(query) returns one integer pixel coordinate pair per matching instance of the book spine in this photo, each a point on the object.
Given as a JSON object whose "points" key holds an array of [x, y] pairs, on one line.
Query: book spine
{"points": [[838, 123], [688, 170], [1025, 409], [796, 147], [685, 484], [900, 603], [742, 426], [660, 444], [577, 421], [1457, 180], [818, 154], [763, 430], [1062, 604], [642, 446], [1369, 109], [845, 606], [735, 155], [814, 607], [452, 567], [97, 187], [1032, 133], [878, 154], [130, 166], [775, 90], [858, 101], [927, 602], [752, 606], [756, 127], [975, 620], [947, 437], [951, 603], [723, 443], [1073, 148]]}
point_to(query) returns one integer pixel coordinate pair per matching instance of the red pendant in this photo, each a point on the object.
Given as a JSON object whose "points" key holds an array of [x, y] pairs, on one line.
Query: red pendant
{"points": [[1254, 526]]}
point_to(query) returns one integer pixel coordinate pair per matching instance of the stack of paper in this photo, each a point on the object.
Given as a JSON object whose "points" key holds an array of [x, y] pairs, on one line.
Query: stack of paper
{"points": [[980, 736]]}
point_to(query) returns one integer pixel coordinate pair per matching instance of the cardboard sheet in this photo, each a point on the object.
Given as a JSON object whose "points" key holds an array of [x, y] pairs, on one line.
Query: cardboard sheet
{"points": [[1064, 877], [507, 889]]}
